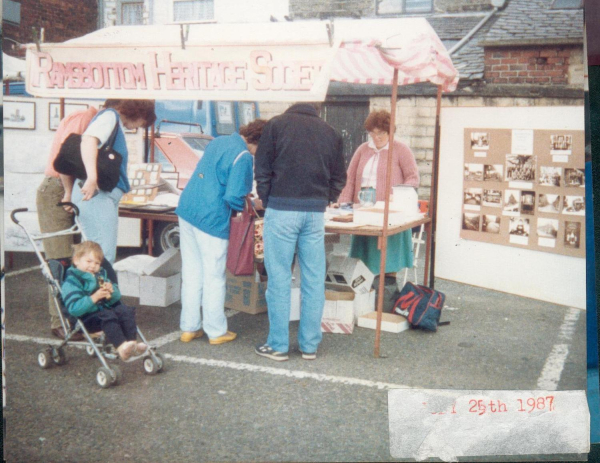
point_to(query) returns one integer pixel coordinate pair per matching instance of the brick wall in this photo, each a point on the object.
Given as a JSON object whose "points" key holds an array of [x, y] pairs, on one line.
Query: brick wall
{"points": [[61, 20], [533, 65]]}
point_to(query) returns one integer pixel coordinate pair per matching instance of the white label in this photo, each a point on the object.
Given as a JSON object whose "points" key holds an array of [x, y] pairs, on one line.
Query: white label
{"points": [[480, 154], [521, 185], [470, 207], [522, 142], [560, 158], [448, 424], [547, 242], [519, 239]]}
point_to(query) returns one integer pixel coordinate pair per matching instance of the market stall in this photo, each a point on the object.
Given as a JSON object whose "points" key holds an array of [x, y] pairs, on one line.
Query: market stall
{"points": [[290, 62]]}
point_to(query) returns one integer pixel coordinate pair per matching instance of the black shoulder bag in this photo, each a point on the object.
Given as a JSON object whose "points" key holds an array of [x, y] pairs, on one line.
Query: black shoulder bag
{"points": [[108, 165]]}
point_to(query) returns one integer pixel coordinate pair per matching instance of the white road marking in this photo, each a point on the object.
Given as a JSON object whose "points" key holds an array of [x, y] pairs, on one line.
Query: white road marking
{"points": [[167, 338], [20, 272], [296, 374], [555, 363]]}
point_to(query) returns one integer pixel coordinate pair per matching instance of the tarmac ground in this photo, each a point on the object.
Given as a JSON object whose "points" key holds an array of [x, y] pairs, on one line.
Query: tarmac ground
{"points": [[225, 403]]}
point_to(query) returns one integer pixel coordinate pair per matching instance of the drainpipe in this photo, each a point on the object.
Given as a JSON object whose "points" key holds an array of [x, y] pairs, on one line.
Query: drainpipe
{"points": [[498, 4]]}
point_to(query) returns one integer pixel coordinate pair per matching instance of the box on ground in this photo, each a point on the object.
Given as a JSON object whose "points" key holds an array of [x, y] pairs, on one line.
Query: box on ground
{"points": [[338, 313], [160, 283], [156, 281], [389, 322], [245, 293], [347, 273]]}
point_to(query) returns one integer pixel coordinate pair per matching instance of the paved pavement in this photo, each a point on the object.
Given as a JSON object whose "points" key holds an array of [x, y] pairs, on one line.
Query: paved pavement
{"points": [[224, 403]]}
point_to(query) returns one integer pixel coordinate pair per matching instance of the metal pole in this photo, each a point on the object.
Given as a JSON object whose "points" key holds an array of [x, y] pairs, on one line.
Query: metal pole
{"points": [[386, 212], [62, 109], [434, 185]]}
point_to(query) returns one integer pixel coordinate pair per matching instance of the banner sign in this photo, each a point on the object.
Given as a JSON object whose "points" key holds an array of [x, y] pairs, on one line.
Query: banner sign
{"points": [[268, 73]]}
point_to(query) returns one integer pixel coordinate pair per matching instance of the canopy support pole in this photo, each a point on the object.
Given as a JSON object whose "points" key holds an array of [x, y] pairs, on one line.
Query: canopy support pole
{"points": [[62, 109], [434, 185], [386, 212]]}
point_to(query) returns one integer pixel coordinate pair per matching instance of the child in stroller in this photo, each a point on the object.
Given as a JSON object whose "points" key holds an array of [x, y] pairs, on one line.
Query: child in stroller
{"points": [[88, 294]]}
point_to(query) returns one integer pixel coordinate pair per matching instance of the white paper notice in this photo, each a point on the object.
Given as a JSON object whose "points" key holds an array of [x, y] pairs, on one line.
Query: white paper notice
{"points": [[521, 185], [560, 158], [449, 424], [480, 154], [522, 142]]}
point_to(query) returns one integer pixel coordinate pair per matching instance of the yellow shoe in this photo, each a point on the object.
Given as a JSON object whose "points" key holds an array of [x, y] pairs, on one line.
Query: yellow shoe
{"points": [[229, 336], [187, 336]]}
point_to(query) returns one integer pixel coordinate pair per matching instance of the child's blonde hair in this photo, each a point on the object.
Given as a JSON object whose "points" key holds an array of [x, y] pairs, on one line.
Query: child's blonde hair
{"points": [[86, 247]]}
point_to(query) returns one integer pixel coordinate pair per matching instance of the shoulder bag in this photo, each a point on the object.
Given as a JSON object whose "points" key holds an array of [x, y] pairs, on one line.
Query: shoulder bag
{"points": [[108, 165]]}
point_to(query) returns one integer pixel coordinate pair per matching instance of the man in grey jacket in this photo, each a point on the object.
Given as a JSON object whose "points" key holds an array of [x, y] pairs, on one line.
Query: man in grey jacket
{"points": [[299, 170]]}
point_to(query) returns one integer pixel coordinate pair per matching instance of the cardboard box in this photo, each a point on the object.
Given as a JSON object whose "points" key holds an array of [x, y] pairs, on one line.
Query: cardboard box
{"points": [[245, 294], [160, 282], [338, 314], [129, 271], [346, 273], [129, 284], [389, 322], [363, 303]]}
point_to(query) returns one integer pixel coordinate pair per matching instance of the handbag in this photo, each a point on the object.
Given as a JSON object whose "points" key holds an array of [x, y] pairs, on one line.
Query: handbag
{"points": [[259, 247], [108, 164], [240, 254]]}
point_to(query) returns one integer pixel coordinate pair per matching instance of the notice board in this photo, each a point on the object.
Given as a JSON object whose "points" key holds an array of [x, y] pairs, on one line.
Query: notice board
{"points": [[525, 188]]}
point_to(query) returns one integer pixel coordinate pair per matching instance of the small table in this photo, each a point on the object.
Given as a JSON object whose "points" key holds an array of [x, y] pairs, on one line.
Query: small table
{"points": [[150, 217], [371, 230]]}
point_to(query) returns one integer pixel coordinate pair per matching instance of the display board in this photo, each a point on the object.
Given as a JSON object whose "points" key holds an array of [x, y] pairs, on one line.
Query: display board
{"points": [[525, 188], [515, 269]]}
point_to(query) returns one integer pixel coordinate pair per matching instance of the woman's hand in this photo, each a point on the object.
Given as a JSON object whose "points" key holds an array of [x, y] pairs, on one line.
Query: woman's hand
{"points": [[258, 205], [109, 287], [67, 199], [89, 189], [335, 205]]}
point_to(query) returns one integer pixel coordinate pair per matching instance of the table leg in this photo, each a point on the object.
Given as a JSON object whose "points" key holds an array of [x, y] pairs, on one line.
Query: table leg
{"points": [[150, 236], [427, 253]]}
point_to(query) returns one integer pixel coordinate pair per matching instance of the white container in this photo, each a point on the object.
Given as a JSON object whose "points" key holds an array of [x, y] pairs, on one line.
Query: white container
{"points": [[405, 199], [389, 322]]}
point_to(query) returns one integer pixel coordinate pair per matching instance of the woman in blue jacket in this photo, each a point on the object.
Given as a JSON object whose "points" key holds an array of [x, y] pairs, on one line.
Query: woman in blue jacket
{"points": [[220, 183]]}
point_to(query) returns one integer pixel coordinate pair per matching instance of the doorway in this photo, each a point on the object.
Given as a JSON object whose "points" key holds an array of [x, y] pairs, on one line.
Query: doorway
{"points": [[348, 118]]}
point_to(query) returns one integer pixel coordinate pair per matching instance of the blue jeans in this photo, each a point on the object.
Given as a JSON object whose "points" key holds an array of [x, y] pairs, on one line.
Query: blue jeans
{"points": [[283, 232], [203, 261], [99, 218]]}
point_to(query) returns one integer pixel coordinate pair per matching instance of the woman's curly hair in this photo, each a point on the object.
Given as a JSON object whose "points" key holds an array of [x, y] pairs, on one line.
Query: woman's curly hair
{"points": [[378, 120], [252, 131]]}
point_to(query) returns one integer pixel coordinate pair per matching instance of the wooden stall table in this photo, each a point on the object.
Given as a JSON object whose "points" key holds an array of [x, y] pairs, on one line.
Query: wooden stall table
{"points": [[149, 215], [343, 228]]}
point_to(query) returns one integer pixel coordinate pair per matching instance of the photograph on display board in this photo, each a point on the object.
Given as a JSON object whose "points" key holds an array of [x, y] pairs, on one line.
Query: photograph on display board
{"points": [[472, 196], [474, 172], [492, 173], [572, 234], [547, 228], [512, 202], [520, 167], [491, 224], [574, 178], [574, 205], [561, 144], [549, 203], [550, 176], [518, 226], [492, 198], [471, 221], [480, 141], [527, 202]]}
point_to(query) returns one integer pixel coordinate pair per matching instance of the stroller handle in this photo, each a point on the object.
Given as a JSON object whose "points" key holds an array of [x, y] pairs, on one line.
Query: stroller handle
{"points": [[15, 212], [66, 203]]}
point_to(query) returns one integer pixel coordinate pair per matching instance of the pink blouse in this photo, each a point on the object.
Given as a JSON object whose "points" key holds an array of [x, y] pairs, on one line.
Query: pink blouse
{"points": [[404, 170]]}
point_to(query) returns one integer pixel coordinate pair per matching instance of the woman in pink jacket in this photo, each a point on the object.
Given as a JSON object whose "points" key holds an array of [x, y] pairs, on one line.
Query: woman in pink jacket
{"points": [[368, 169]]}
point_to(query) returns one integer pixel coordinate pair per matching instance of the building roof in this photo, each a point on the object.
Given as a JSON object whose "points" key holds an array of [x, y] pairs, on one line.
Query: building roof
{"points": [[525, 22]]}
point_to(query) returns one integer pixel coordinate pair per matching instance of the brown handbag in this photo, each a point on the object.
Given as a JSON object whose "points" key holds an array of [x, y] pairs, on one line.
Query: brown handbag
{"points": [[240, 254]]}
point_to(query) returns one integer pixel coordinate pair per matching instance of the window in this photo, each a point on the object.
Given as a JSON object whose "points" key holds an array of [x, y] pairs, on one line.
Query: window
{"points": [[11, 11], [193, 10], [567, 4], [404, 6], [132, 13]]}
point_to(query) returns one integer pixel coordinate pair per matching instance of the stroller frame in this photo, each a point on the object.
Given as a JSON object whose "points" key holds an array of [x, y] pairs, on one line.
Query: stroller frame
{"points": [[95, 345]]}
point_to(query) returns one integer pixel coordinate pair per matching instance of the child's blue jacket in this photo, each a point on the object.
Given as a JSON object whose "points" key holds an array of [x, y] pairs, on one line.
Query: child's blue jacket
{"points": [[77, 289]]}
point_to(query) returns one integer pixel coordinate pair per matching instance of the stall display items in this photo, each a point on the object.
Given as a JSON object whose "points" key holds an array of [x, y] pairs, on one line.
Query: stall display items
{"points": [[525, 188], [144, 180]]}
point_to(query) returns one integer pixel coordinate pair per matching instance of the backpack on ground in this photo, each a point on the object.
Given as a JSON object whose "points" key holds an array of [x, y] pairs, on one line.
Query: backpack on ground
{"points": [[422, 306]]}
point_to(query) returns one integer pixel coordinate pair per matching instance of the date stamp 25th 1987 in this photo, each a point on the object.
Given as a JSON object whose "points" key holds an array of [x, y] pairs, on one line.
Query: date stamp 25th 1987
{"points": [[448, 424]]}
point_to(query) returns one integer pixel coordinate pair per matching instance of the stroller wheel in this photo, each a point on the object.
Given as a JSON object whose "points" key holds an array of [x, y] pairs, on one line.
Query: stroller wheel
{"points": [[104, 377], [116, 375], [58, 356], [44, 359], [151, 366], [90, 351], [161, 361]]}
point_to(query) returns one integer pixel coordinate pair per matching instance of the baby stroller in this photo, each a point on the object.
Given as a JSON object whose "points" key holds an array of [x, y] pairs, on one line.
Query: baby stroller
{"points": [[95, 344]]}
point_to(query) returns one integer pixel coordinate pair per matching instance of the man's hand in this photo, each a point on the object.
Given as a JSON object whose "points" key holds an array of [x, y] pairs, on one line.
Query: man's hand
{"points": [[109, 287], [89, 189]]}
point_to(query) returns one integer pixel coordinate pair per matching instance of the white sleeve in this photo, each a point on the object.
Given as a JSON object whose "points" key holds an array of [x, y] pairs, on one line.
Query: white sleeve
{"points": [[102, 127]]}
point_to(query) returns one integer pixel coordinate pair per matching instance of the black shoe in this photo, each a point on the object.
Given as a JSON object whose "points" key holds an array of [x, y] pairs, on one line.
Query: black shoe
{"points": [[266, 351], [59, 332]]}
